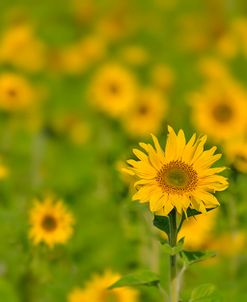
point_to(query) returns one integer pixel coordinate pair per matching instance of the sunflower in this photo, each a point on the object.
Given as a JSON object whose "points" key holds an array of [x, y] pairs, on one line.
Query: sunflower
{"points": [[113, 90], [135, 55], [230, 244], [220, 110], [97, 290], [16, 92], [147, 113], [178, 177], [21, 48], [201, 226], [50, 222], [162, 77], [236, 153]]}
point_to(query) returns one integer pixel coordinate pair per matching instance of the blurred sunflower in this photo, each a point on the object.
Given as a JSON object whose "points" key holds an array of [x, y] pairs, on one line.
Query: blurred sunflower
{"points": [[21, 48], [201, 226], [4, 171], [213, 69], [72, 60], [162, 77], [15, 92], [230, 244], [97, 290], [135, 55], [50, 222], [113, 90], [147, 113], [220, 110], [178, 177], [236, 153]]}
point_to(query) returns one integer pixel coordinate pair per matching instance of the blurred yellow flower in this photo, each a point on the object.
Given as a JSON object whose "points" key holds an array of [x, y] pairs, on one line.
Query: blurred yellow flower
{"points": [[213, 69], [179, 176], [220, 110], [4, 171], [135, 55], [93, 48], [19, 47], [162, 77], [198, 230], [97, 290], [72, 60], [16, 92], [113, 90], [229, 244], [147, 113], [236, 153], [50, 222]]}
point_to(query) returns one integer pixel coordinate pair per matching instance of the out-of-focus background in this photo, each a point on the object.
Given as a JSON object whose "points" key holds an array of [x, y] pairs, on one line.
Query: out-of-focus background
{"points": [[82, 82]]}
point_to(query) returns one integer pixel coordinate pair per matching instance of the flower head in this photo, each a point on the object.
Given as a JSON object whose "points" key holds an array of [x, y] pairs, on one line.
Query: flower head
{"points": [[178, 177], [50, 222], [113, 90], [96, 290], [16, 93], [147, 114], [220, 110]]}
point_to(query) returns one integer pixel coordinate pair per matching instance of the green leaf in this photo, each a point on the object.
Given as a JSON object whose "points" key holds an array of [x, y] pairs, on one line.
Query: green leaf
{"points": [[205, 293], [175, 249], [193, 212], [140, 278], [162, 223], [191, 257], [7, 293]]}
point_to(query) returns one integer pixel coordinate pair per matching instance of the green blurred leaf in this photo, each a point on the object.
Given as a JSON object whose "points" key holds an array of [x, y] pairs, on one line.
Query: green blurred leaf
{"points": [[191, 257], [193, 212], [162, 223], [175, 249], [140, 278], [7, 293], [205, 293]]}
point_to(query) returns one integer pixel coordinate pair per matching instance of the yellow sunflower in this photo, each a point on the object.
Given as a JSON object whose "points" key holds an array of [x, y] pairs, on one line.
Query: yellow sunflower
{"points": [[113, 90], [230, 244], [236, 153], [16, 92], [201, 227], [162, 77], [178, 177], [21, 48], [97, 290], [220, 110], [147, 113], [50, 222]]}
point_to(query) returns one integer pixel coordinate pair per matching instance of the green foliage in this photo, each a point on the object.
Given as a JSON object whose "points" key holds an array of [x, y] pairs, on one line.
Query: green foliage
{"points": [[191, 257], [162, 223], [146, 278], [205, 293], [7, 292], [175, 249]]}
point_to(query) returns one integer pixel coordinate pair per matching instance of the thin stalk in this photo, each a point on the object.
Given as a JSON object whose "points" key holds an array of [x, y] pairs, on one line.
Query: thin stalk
{"points": [[173, 258]]}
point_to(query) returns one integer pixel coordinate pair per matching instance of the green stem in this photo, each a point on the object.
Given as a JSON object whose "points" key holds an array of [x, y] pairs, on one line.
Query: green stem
{"points": [[173, 258]]}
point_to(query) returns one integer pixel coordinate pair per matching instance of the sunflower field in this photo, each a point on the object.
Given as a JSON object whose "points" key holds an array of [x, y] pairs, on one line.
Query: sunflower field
{"points": [[123, 151]]}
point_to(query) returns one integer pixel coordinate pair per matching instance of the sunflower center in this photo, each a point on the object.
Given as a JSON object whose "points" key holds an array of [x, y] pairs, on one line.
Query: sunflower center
{"points": [[113, 88], [49, 223], [223, 113], [177, 177], [143, 110], [12, 92]]}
